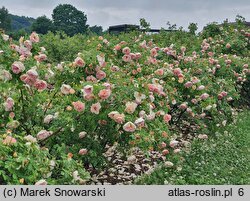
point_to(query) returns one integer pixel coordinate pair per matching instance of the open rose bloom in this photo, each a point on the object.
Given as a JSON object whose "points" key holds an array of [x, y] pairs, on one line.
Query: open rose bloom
{"points": [[129, 127], [8, 105], [95, 108], [79, 106], [17, 67]]}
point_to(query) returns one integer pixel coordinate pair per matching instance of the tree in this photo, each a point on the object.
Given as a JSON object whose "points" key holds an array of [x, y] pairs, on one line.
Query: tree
{"points": [[171, 26], [70, 20], [5, 20], [96, 29], [144, 24], [192, 28], [42, 25]]}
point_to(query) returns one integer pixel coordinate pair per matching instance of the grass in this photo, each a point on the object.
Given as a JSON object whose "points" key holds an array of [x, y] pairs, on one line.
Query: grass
{"points": [[222, 159]]}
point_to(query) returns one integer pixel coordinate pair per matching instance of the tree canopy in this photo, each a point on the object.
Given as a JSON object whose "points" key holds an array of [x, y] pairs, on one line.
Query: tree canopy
{"points": [[5, 20], [70, 20], [96, 29], [42, 25]]}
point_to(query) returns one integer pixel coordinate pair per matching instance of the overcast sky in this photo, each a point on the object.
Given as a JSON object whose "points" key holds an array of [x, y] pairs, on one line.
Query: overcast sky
{"points": [[157, 12]]}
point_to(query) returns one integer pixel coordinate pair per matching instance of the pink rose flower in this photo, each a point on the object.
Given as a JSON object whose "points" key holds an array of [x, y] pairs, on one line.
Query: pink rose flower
{"points": [[140, 122], [88, 89], [201, 87], [177, 71], [34, 38], [65, 89], [183, 49], [32, 73], [163, 145], [111, 114], [129, 127], [152, 87], [126, 50], [107, 85], [17, 67], [101, 60], [27, 79], [95, 108], [91, 78], [159, 72], [153, 52], [83, 152], [5, 75], [220, 97], [167, 118], [104, 94], [8, 105], [139, 97], [43, 134], [79, 106], [194, 101], [126, 58], [40, 57], [224, 93], [133, 57], [142, 114], [117, 117], [114, 68], [165, 152], [188, 84], [48, 119], [88, 97], [173, 143], [130, 107], [100, 74], [40, 85], [137, 55], [117, 47], [153, 60], [195, 80], [79, 62], [183, 106], [28, 44], [9, 140], [204, 96]]}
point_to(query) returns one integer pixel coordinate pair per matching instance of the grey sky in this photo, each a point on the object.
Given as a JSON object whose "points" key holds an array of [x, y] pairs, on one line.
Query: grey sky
{"points": [[157, 12]]}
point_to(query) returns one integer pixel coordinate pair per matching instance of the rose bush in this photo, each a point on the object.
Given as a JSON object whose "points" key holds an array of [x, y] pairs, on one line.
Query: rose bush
{"points": [[133, 89], [24, 161]]}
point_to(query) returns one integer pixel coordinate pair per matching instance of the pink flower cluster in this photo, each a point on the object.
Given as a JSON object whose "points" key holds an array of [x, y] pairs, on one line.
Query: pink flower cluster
{"points": [[9, 140], [117, 117], [31, 78], [222, 95], [128, 56]]}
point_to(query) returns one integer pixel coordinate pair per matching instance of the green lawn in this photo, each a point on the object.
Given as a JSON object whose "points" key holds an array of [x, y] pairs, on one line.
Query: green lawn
{"points": [[222, 159]]}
